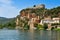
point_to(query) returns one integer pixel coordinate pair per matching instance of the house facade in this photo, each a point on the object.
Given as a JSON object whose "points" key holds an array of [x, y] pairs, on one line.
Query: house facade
{"points": [[50, 21]]}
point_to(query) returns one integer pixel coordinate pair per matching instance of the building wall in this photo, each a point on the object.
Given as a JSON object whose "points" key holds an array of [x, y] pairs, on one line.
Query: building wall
{"points": [[50, 21]]}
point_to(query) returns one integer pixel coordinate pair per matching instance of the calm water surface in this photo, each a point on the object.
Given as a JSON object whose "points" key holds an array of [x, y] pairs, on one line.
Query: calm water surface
{"points": [[29, 35]]}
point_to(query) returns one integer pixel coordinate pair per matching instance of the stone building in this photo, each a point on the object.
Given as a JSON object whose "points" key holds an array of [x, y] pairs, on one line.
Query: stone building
{"points": [[50, 21], [40, 6]]}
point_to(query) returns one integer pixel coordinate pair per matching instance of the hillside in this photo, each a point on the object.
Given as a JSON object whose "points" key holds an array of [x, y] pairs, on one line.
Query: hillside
{"points": [[7, 22], [43, 12], [35, 14], [4, 20]]}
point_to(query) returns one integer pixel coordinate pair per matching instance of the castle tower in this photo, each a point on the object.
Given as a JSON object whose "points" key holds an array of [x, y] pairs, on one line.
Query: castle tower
{"points": [[39, 6]]}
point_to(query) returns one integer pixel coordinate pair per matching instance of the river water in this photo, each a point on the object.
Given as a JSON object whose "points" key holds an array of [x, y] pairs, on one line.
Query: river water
{"points": [[29, 35]]}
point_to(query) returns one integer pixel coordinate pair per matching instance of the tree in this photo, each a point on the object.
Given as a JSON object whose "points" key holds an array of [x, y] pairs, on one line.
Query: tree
{"points": [[38, 26], [45, 26], [34, 6]]}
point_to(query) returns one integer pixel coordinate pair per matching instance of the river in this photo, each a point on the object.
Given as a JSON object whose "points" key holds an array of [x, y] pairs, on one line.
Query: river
{"points": [[29, 35]]}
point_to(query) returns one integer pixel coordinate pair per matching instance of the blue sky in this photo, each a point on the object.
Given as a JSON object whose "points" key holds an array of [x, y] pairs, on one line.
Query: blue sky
{"points": [[11, 8]]}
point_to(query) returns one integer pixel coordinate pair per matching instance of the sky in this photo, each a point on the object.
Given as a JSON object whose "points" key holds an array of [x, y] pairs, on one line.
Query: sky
{"points": [[11, 8]]}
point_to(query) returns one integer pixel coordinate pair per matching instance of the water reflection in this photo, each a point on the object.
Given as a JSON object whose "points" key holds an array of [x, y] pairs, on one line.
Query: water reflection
{"points": [[29, 35]]}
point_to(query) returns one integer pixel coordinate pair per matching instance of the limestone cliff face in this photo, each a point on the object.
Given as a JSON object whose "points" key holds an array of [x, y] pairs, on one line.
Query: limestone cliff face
{"points": [[29, 17]]}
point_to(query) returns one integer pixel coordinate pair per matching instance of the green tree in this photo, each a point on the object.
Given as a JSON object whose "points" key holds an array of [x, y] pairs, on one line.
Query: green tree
{"points": [[39, 26], [45, 26]]}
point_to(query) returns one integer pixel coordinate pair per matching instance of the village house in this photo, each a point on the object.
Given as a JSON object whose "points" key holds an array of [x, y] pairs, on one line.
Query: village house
{"points": [[50, 21]]}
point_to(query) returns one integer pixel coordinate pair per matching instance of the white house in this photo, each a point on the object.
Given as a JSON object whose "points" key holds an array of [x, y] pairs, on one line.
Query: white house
{"points": [[54, 20], [50, 21]]}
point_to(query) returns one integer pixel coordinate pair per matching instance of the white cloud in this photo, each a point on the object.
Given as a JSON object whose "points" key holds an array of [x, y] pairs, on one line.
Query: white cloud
{"points": [[7, 9]]}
